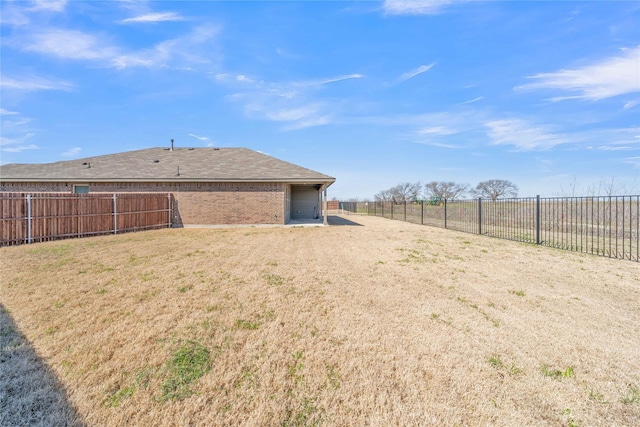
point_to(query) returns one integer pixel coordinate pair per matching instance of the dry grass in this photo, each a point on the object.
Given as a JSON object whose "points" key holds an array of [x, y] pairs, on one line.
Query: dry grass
{"points": [[383, 324]]}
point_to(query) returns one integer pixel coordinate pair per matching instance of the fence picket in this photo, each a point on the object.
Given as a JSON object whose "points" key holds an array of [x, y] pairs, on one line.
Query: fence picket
{"points": [[38, 217]]}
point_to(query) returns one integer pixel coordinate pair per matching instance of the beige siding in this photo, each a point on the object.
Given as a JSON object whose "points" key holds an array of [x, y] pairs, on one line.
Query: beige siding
{"points": [[304, 202]]}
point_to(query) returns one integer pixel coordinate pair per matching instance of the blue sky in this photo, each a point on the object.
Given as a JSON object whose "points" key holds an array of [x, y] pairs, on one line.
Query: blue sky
{"points": [[544, 94]]}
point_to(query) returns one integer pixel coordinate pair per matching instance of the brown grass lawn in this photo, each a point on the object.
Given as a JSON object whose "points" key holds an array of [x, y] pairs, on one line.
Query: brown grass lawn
{"points": [[383, 324]]}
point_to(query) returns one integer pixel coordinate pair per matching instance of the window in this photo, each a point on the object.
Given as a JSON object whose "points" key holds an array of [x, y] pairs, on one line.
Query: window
{"points": [[81, 189]]}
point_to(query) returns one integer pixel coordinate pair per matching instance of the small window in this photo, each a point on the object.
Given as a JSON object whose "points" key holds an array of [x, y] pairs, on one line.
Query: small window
{"points": [[81, 189]]}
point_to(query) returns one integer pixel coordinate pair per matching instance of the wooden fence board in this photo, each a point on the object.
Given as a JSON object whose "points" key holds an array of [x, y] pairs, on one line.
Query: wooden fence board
{"points": [[62, 215]]}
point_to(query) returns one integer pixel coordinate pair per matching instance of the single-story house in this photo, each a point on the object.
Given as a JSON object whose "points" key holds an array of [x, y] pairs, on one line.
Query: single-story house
{"points": [[209, 185]]}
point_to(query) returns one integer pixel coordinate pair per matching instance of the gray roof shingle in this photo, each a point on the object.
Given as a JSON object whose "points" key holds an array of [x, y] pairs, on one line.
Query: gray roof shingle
{"points": [[162, 164]]}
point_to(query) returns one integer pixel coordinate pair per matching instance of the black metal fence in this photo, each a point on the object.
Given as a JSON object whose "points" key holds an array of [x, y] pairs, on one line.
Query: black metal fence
{"points": [[606, 226]]}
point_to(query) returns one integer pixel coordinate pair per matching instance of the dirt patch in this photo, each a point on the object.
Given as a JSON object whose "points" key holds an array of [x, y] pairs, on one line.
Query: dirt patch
{"points": [[372, 322]]}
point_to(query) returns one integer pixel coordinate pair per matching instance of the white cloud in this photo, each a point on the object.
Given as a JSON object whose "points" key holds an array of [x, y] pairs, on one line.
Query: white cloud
{"points": [[49, 5], [201, 138], [411, 74], [607, 78], [523, 135], [635, 161], [329, 80], [480, 98], [72, 152], [68, 44], [33, 83], [631, 104], [437, 130], [291, 103], [154, 17], [17, 145], [78, 45], [4, 112], [417, 7]]}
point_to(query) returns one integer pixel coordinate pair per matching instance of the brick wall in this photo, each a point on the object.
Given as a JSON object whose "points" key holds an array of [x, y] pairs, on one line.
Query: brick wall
{"points": [[195, 203]]}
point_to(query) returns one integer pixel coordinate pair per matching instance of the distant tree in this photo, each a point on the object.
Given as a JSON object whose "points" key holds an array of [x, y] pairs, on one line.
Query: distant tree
{"points": [[383, 196], [405, 192], [496, 188], [445, 190]]}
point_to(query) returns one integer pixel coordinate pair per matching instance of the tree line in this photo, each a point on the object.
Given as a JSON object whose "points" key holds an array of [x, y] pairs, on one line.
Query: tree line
{"points": [[449, 190]]}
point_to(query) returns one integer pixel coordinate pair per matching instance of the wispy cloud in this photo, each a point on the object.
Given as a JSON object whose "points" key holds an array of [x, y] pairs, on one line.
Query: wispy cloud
{"points": [[607, 78], [201, 138], [295, 104], [329, 80], [77, 45], [635, 161], [68, 44], [16, 145], [33, 83], [417, 7], [437, 130], [49, 5], [411, 74], [523, 135], [471, 101], [72, 152], [154, 17], [4, 112]]}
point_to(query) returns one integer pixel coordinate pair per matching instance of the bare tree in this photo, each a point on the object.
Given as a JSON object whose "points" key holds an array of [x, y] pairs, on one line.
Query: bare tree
{"points": [[405, 192], [383, 196], [445, 190], [495, 188]]}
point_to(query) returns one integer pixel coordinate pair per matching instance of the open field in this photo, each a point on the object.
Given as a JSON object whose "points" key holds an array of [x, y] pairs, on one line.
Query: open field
{"points": [[378, 323]]}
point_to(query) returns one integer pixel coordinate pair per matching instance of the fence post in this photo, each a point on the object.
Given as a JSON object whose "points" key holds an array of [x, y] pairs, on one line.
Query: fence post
{"points": [[169, 207], [445, 213], [538, 219], [115, 215], [422, 212], [28, 218], [405, 211], [479, 215], [392, 210]]}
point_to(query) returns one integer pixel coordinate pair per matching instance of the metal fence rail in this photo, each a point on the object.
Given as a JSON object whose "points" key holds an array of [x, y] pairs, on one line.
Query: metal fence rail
{"points": [[606, 226], [38, 217]]}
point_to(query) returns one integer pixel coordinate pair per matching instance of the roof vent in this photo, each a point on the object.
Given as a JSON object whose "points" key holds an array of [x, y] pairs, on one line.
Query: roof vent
{"points": [[191, 149], [87, 164], [156, 161], [216, 148], [178, 174], [171, 144]]}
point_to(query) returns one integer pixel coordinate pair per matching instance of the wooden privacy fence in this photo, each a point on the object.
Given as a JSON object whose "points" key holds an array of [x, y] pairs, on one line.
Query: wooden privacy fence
{"points": [[39, 217]]}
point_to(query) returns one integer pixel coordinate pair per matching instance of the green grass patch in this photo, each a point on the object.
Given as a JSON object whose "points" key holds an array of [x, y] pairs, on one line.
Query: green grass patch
{"points": [[116, 398], [247, 324], [497, 363], [187, 365], [631, 395], [274, 279], [557, 374]]}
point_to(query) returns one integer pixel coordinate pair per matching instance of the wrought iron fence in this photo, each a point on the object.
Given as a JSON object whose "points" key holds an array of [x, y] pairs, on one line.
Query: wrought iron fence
{"points": [[606, 226]]}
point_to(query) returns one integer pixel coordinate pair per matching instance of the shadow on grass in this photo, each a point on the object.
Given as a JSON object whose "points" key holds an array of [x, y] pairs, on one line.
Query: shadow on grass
{"points": [[30, 393], [338, 220]]}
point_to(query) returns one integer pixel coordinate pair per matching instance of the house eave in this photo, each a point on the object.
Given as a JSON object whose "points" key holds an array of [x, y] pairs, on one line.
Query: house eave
{"points": [[174, 180]]}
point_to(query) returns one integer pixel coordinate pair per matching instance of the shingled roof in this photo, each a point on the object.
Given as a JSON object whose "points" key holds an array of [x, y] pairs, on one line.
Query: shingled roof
{"points": [[165, 165]]}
